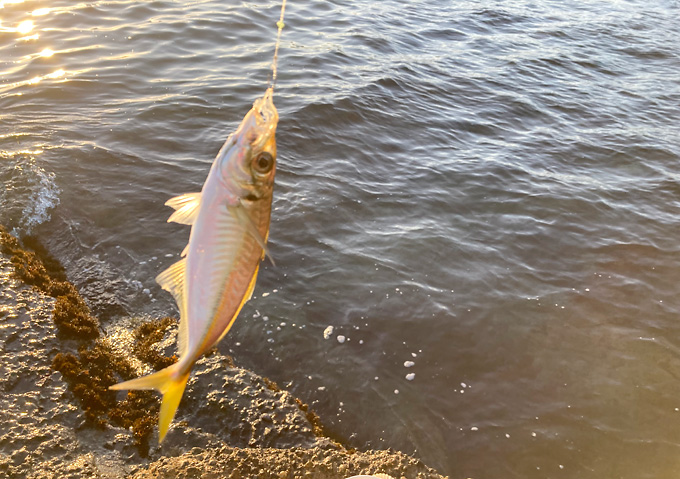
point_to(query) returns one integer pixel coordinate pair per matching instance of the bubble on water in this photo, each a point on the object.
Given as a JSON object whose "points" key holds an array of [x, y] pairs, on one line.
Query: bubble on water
{"points": [[410, 376], [409, 364], [341, 339]]}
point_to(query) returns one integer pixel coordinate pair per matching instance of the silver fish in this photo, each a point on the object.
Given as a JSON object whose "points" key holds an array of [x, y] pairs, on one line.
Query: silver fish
{"points": [[229, 221]]}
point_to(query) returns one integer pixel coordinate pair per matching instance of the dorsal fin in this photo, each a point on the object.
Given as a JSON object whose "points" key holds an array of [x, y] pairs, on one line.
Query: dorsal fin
{"points": [[172, 280], [186, 208]]}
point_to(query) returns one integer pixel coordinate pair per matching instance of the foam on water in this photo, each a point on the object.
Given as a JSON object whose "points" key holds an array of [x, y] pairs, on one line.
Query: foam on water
{"points": [[30, 191], [44, 197]]}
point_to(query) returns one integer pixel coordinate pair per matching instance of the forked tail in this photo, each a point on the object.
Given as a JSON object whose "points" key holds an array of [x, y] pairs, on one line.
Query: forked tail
{"points": [[171, 382]]}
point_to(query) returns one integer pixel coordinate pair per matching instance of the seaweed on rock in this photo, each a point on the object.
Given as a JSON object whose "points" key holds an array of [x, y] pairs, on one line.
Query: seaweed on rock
{"points": [[90, 373], [36, 267], [73, 318], [149, 334], [89, 376]]}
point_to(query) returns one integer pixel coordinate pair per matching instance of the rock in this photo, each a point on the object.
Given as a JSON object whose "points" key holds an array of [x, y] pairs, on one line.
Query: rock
{"points": [[270, 463], [231, 423]]}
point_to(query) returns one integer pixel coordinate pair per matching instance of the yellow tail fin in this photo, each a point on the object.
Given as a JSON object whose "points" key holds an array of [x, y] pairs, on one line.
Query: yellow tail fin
{"points": [[171, 383]]}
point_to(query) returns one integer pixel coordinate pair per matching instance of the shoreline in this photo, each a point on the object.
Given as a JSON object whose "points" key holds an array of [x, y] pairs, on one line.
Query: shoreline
{"points": [[61, 419]]}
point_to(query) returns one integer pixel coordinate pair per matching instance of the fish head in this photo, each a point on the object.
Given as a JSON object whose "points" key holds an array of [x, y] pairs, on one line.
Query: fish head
{"points": [[249, 166]]}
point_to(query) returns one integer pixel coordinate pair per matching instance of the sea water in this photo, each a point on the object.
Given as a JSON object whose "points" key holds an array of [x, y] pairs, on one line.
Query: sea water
{"points": [[476, 213]]}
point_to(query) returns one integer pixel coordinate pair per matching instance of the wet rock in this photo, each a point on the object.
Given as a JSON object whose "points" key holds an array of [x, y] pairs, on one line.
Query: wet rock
{"points": [[105, 291], [316, 462], [39, 422], [239, 408]]}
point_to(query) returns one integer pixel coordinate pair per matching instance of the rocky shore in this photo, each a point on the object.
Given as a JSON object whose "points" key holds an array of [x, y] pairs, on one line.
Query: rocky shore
{"points": [[60, 420]]}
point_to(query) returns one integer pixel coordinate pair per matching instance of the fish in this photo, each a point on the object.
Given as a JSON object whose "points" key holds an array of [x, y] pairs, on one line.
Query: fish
{"points": [[229, 221]]}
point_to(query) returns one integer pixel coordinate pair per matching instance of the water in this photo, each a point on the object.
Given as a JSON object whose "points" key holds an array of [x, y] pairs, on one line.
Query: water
{"points": [[487, 190]]}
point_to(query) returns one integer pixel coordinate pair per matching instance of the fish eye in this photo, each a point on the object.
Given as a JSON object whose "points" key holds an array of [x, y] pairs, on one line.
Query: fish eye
{"points": [[263, 163]]}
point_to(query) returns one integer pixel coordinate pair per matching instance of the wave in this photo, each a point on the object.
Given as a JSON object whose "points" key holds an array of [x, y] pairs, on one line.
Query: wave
{"points": [[30, 195]]}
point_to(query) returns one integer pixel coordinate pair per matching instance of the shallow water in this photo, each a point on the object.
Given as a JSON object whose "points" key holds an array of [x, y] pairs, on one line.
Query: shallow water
{"points": [[488, 190]]}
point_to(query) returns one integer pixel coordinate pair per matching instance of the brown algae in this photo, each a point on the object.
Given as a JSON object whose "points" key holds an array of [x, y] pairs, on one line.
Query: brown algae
{"points": [[146, 336], [34, 266]]}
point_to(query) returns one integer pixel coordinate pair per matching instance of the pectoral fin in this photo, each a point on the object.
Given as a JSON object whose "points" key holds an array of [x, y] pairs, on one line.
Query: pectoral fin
{"points": [[241, 215], [186, 208]]}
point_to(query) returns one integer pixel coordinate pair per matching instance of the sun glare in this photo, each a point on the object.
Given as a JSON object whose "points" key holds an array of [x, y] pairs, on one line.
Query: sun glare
{"points": [[25, 27], [41, 11], [9, 2], [47, 52]]}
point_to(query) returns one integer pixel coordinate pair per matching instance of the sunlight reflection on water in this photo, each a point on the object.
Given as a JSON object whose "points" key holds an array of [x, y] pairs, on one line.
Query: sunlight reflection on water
{"points": [[27, 69]]}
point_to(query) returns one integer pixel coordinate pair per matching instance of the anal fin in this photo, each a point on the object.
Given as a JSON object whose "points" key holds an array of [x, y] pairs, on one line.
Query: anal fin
{"points": [[172, 280]]}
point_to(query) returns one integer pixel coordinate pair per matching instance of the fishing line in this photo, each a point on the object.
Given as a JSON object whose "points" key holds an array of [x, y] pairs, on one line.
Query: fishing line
{"points": [[272, 80]]}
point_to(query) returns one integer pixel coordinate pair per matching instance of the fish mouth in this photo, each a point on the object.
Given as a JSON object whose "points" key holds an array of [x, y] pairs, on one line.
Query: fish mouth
{"points": [[264, 119]]}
